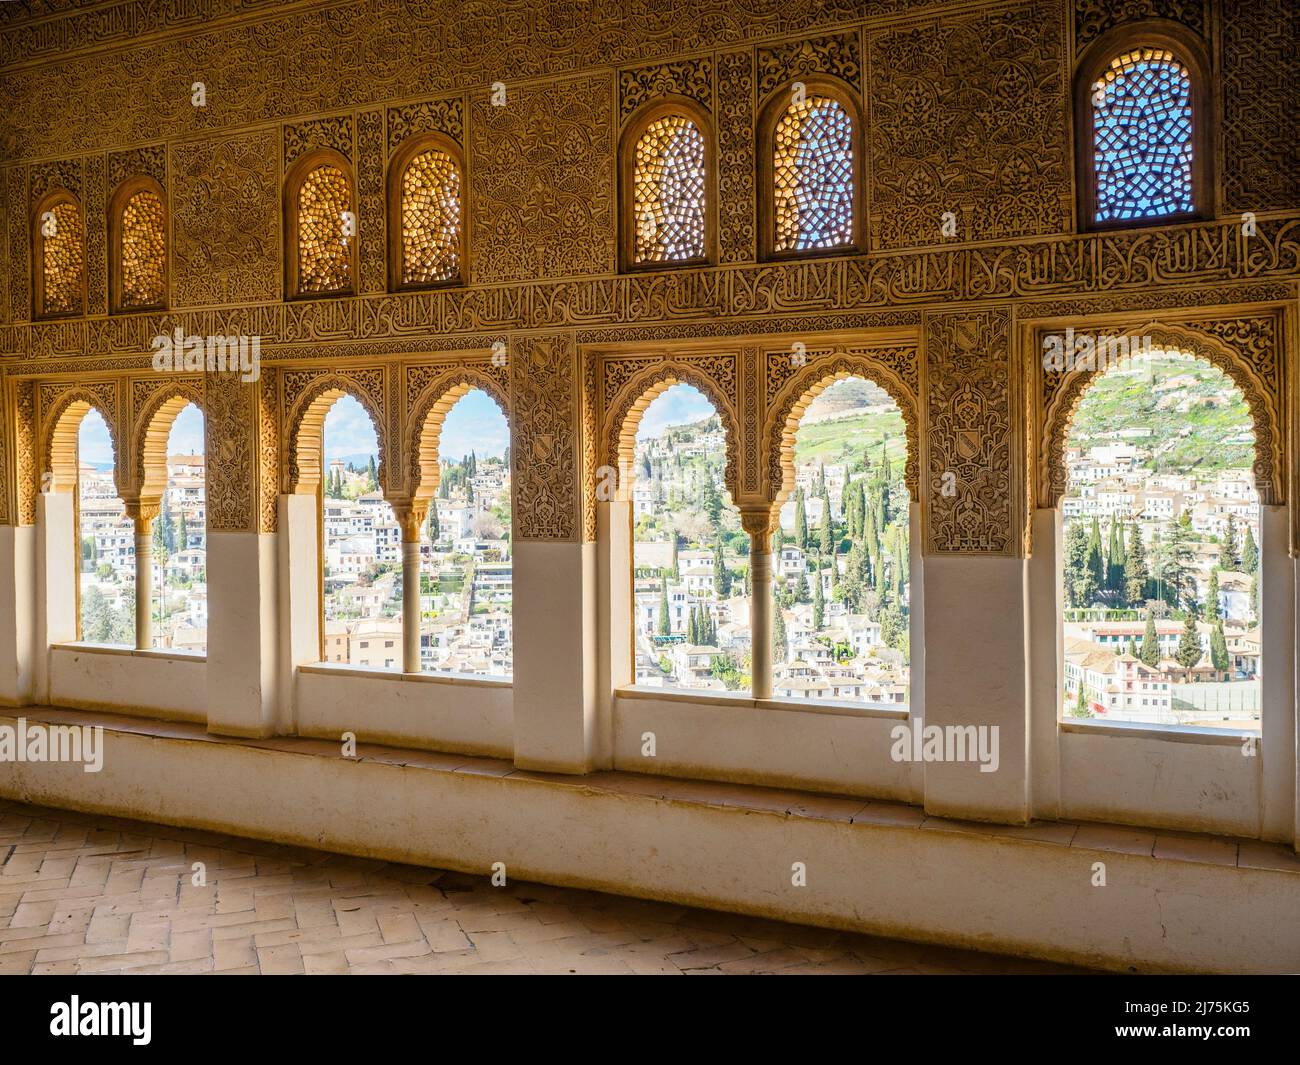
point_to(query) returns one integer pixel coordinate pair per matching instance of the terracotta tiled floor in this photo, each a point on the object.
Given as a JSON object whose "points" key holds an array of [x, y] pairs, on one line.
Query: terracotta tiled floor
{"points": [[89, 894]]}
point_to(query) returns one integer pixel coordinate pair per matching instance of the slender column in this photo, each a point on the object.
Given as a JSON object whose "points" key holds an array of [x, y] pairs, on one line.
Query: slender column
{"points": [[758, 523], [411, 517], [410, 606], [142, 515]]}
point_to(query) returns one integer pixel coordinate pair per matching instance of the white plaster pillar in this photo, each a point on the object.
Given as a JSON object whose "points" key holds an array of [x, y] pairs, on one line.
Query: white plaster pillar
{"points": [[1278, 732], [143, 581], [410, 605], [299, 603], [57, 562], [761, 607], [616, 632], [555, 656], [242, 633], [1046, 663], [975, 675], [916, 635], [17, 613]]}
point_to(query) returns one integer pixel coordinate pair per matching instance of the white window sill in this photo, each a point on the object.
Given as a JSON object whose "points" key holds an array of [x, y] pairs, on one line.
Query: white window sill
{"points": [[344, 669], [164, 653], [1210, 737], [738, 700]]}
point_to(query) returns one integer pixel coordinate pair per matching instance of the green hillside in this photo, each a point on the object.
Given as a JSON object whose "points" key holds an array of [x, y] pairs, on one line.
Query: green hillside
{"points": [[1205, 437]]}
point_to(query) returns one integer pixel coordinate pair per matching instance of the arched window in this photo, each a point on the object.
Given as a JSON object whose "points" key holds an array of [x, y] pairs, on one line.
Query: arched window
{"points": [[361, 543], [466, 583], [1141, 112], [666, 168], [138, 246], [843, 586], [690, 557], [321, 226], [106, 540], [180, 540], [810, 169], [59, 261], [426, 213], [1162, 548]]}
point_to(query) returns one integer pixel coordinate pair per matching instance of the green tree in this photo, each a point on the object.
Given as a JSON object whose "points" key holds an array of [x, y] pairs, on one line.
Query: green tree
{"points": [[1228, 545], [1150, 652], [1189, 643], [183, 535], [372, 475], [1174, 567], [1081, 703], [802, 591], [1076, 564], [1212, 598], [819, 602], [1096, 563], [434, 529], [871, 536], [800, 521], [1249, 552], [1133, 646], [1219, 649], [721, 575], [891, 625], [711, 502], [824, 540], [1136, 573], [693, 626], [780, 645], [665, 624]]}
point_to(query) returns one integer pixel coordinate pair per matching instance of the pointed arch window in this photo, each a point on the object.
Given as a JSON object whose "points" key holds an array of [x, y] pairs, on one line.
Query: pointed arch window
{"points": [[138, 245], [1142, 114], [321, 226], [426, 212], [666, 186], [59, 258], [812, 167]]}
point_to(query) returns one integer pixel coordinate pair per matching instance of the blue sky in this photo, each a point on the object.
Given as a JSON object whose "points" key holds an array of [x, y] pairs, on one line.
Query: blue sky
{"points": [[679, 405], [475, 424], [96, 448]]}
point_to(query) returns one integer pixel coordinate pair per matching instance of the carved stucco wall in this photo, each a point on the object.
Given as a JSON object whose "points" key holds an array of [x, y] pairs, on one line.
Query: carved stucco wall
{"points": [[967, 116], [966, 110]]}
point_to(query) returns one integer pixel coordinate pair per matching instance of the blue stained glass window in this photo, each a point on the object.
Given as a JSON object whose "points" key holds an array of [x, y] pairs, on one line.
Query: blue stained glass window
{"points": [[1142, 137]]}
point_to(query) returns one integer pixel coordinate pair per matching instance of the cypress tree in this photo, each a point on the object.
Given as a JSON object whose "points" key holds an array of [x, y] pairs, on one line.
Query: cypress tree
{"points": [[800, 521], [1189, 643], [1219, 649], [721, 575], [1249, 552], [1096, 563], [665, 625], [1076, 564], [372, 475], [1150, 652], [819, 603], [780, 647], [1136, 574], [1212, 598], [825, 536], [1228, 545]]}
